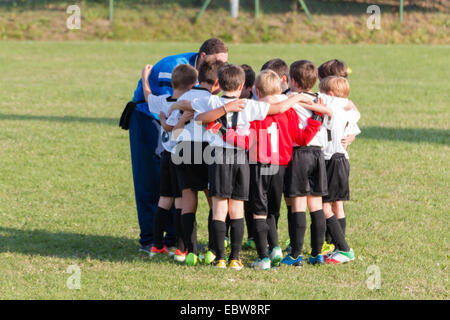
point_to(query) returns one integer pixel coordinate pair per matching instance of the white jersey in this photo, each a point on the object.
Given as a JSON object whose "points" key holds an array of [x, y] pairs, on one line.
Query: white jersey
{"points": [[304, 114], [157, 104], [341, 124], [253, 110], [193, 130]]}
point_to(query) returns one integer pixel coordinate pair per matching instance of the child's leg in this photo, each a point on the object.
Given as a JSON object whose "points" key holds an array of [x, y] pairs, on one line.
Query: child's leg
{"points": [[211, 237], [236, 213], [318, 224], [178, 227], [248, 219], [189, 204], [160, 220], [334, 228], [297, 225], [338, 209], [220, 210], [260, 232]]}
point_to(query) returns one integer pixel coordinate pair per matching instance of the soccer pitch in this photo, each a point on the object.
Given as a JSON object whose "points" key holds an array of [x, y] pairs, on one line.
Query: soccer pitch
{"points": [[67, 198]]}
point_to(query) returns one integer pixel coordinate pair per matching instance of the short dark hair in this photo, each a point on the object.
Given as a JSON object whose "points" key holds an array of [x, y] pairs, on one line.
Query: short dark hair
{"points": [[208, 70], [231, 76], [279, 66], [249, 75], [184, 76], [213, 46], [333, 67], [304, 73]]}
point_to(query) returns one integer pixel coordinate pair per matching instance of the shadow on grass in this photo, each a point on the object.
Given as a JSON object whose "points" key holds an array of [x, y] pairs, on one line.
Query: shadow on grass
{"points": [[107, 121], [69, 245], [437, 136]]}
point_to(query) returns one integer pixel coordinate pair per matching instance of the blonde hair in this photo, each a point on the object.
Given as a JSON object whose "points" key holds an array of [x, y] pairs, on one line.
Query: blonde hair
{"points": [[268, 83], [338, 85]]}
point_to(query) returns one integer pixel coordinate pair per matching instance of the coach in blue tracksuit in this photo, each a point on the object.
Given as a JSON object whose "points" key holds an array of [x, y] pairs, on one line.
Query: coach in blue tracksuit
{"points": [[144, 137]]}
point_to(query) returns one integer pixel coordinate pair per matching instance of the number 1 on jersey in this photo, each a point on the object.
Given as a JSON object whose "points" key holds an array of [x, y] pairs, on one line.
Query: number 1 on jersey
{"points": [[273, 132]]}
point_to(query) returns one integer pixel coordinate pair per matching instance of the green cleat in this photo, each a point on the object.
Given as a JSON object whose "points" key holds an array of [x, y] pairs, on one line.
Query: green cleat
{"points": [[191, 259], [209, 257]]}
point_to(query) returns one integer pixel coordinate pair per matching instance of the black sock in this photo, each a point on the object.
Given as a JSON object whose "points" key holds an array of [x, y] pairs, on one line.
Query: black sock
{"points": [[343, 223], [338, 236], [298, 229], [220, 229], [248, 219], [260, 230], [272, 236], [179, 231], [160, 221], [189, 232], [211, 237], [318, 225], [236, 237]]}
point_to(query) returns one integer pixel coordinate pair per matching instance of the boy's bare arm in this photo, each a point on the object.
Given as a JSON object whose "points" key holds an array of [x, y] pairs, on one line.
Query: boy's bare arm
{"points": [[185, 117], [285, 105], [163, 120], [213, 115], [145, 85], [184, 105], [319, 108]]}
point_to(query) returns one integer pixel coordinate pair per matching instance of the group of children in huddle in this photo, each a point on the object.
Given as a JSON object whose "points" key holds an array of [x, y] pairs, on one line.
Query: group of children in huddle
{"points": [[262, 137]]}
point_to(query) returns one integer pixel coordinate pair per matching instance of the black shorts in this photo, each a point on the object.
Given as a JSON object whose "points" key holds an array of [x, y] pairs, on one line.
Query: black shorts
{"points": [[192, 171], [306, 173], [229, 174], [168, 182], [338, 171], [266, 188]]}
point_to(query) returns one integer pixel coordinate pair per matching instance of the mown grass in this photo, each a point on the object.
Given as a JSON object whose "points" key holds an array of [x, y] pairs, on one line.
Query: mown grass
{"points": [[66, 192]]}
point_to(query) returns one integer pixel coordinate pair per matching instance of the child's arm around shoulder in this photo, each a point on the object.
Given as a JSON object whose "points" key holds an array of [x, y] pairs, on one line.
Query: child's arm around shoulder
{"points": [[214, 114], [285, 105]]}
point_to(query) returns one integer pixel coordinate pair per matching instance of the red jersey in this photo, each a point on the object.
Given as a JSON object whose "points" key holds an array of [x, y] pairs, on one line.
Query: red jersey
{"points": [[271, 139]]}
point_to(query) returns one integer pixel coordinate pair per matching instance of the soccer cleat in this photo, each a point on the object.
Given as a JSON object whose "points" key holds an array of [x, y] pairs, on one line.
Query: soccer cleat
{"points": [[338, 257], [326, 248], [180, 256], [250, 244], [155, 251], [291, 261], [316, 260], [227, 242], [236, 265], [191, 259], [222, 264], [276, 255], [209, 257], [261, 264]]}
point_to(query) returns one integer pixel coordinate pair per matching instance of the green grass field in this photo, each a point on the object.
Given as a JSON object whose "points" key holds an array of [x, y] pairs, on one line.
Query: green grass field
{"points": [[66, 192]]}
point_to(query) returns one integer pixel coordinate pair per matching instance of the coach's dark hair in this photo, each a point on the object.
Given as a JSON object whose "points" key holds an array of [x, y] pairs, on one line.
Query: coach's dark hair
{"points": [[279, 66], [249, 75], [304, 73], [333, 67], [231, 76], [213, 46], [209, 69], [184, 76]]}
